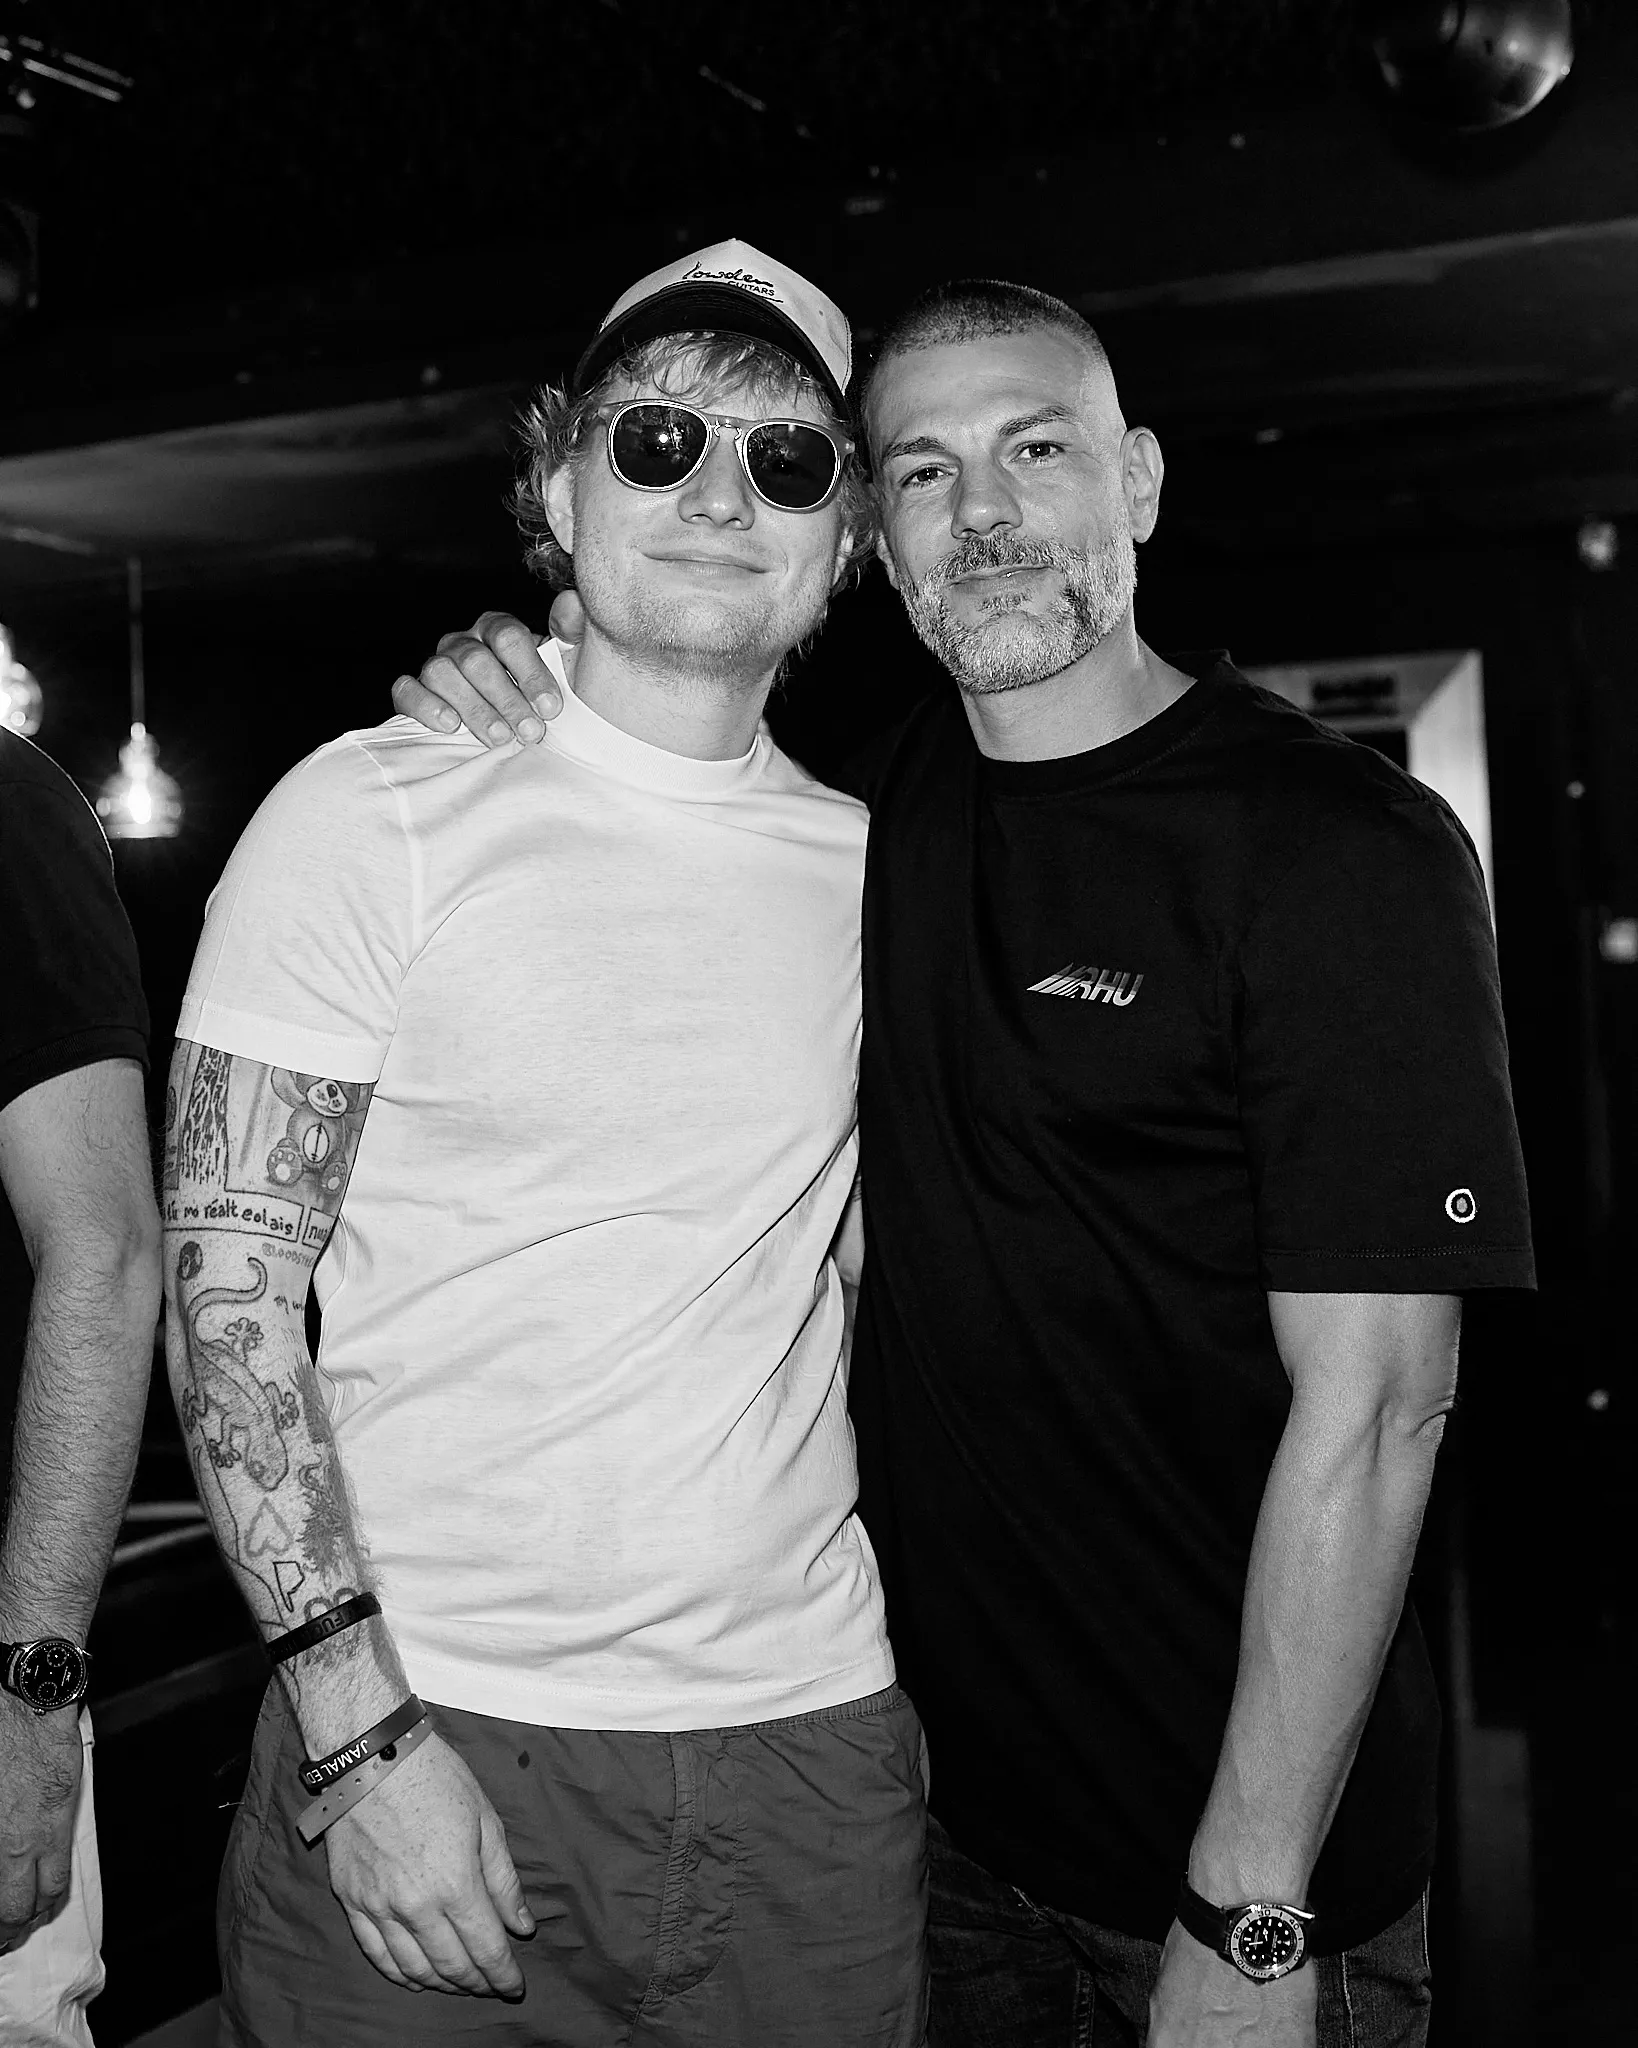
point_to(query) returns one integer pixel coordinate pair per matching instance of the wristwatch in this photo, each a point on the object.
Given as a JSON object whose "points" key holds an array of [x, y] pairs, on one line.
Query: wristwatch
{"points": [[48, 1673], [1262, 1939]]}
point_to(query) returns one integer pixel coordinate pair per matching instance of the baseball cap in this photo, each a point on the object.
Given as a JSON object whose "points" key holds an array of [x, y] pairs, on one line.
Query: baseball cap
{"points": [[729, 288]]}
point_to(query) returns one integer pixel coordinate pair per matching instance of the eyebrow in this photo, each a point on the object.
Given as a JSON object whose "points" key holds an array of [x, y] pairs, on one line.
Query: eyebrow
{"points": [[923, 444], [1026, 420], [926, 444]]}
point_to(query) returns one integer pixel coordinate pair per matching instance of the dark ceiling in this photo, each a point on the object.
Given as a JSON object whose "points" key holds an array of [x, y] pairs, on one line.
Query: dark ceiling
{"points": [[272, 142], [294, 285]]}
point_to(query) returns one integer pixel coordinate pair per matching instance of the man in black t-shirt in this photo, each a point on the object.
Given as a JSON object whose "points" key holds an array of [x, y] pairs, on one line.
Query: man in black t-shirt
{"points": [[1186, 1124], [79, 1295]]}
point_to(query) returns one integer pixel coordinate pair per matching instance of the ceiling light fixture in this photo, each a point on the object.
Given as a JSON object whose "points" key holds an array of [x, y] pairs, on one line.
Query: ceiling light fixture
{"points": [[1598, 543], [141, 801]]}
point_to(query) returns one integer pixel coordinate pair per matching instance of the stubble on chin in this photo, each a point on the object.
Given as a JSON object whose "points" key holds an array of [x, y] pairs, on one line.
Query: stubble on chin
{"points": [[695, 640], [1013, 647]]}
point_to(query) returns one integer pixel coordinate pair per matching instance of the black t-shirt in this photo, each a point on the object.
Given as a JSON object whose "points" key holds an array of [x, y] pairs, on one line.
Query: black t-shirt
{"points": [[72, 989], [1149, 1032]]}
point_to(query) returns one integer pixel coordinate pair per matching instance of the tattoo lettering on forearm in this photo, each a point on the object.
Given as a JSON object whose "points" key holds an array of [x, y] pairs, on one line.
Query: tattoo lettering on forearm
{"points": [[261, 1160], [266, 1147]]}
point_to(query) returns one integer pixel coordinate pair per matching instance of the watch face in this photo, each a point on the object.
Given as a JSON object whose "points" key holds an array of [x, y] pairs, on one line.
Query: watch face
{"points": [[50, 1674], [1266, 1942]]}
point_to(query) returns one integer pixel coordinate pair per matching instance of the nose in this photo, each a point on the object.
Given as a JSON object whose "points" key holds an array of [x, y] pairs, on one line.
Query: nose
{"points": [[718, 491], [984, 500]]}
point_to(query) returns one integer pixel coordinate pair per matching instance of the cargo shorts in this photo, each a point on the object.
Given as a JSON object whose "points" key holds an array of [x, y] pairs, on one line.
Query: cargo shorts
{"points": [[754, 1887]]}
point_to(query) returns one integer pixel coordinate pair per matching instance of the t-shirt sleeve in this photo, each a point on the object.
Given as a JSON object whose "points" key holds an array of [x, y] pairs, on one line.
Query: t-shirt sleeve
{"points": [[310, 931], [1372, 1067], [72, 985]]}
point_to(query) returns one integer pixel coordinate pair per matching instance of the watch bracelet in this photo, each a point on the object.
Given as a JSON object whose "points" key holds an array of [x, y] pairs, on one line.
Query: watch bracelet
{"points": [[1211, 1925]]}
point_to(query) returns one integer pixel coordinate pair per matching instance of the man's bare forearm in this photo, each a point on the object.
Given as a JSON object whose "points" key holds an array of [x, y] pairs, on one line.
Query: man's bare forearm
{"points": [[254, 1421], [1335, 1540], [86, 1368], [75, 1168]]}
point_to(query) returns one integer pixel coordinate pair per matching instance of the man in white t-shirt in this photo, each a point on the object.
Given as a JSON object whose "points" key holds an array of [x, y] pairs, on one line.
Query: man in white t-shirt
{"points": [[541, 1064]]}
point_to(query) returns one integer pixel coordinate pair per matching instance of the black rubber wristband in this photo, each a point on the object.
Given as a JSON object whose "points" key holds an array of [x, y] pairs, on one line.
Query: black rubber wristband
{"points": [[322, 1627], [318, 1777]]}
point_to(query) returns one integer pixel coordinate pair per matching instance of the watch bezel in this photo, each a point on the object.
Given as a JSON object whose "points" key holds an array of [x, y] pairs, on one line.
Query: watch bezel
{"points": [[15, 1679], [1267, 1909]]}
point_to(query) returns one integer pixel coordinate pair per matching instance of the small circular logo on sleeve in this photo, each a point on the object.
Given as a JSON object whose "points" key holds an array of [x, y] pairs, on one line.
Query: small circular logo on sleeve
{"points": [[1460, 1206]]}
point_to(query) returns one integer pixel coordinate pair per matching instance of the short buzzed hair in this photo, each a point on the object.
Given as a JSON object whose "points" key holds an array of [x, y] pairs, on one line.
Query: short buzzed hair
{"points": [[974, 309]]}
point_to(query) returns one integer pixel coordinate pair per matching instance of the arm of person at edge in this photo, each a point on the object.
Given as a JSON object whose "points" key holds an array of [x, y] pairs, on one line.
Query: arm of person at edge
{"points": [[1373, 1377], [75, 1166], [421, 1864], [492, 679]]}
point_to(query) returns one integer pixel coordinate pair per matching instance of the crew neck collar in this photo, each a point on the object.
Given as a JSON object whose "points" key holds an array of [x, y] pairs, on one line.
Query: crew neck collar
{"points": [[582, 735], [1133, 750]]}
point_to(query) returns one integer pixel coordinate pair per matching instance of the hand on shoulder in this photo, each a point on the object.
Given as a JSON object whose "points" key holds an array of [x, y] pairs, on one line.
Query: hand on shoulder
{"points": [[492, 679]]}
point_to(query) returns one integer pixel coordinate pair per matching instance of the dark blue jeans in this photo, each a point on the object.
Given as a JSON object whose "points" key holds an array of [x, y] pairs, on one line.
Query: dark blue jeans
{"points": [[1010, 1974]]}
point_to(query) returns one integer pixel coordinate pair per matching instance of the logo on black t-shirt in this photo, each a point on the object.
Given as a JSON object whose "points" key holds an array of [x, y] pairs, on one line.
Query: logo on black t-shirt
{"points": [[1460, 1206], [1115, 985]]}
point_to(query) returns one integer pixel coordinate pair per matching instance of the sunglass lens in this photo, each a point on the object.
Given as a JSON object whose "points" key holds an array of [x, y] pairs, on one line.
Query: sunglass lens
{"points": [[655, 446], [791, 465]]}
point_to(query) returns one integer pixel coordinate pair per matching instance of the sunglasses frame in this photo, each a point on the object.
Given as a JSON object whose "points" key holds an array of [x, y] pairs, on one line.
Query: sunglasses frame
{"points": [[715, 424]]}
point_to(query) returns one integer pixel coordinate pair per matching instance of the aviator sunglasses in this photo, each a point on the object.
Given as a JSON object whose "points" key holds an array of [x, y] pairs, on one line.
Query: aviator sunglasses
{"points": [[657, 444]]}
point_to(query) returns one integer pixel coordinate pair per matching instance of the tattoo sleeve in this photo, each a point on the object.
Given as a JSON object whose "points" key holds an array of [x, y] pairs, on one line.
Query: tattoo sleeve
{"points": [[256, 1166]]}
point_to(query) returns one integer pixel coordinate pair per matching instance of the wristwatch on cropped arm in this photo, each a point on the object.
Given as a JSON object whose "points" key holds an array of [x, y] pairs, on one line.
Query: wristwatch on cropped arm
{"points": [[1262, 1939], [48, 1673]]}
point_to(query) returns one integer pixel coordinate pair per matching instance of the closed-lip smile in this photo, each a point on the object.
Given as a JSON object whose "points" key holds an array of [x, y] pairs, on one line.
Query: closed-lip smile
{"points": [[705, 558]]}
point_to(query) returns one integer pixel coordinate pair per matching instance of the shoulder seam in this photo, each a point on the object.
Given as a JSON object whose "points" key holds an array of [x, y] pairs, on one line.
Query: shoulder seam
{"points": [[412, 847]]}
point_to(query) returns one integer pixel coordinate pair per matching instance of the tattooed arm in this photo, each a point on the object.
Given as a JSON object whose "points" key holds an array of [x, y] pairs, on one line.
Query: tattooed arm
{"points": [[238, 1260], [256, 1167]]}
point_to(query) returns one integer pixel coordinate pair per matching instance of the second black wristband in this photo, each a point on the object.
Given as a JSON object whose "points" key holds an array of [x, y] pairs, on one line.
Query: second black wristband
{"points": [[323, 1626]]}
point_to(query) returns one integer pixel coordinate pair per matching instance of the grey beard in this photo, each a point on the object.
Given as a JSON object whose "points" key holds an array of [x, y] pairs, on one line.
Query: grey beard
{"points": [[1013, 649]]}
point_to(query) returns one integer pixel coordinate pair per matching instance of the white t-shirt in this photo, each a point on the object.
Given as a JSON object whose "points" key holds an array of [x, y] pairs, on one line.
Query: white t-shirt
{"points": [[582, 1334]]}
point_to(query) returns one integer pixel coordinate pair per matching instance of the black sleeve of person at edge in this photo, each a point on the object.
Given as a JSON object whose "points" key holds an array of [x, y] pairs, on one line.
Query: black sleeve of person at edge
{"points": [[72, 988], [1372, 1067]]}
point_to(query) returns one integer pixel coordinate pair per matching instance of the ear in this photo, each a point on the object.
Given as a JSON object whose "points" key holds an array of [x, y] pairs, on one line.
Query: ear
{"points": [[1142, 470], [884, 555], [560, 506], [844, 555]]}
